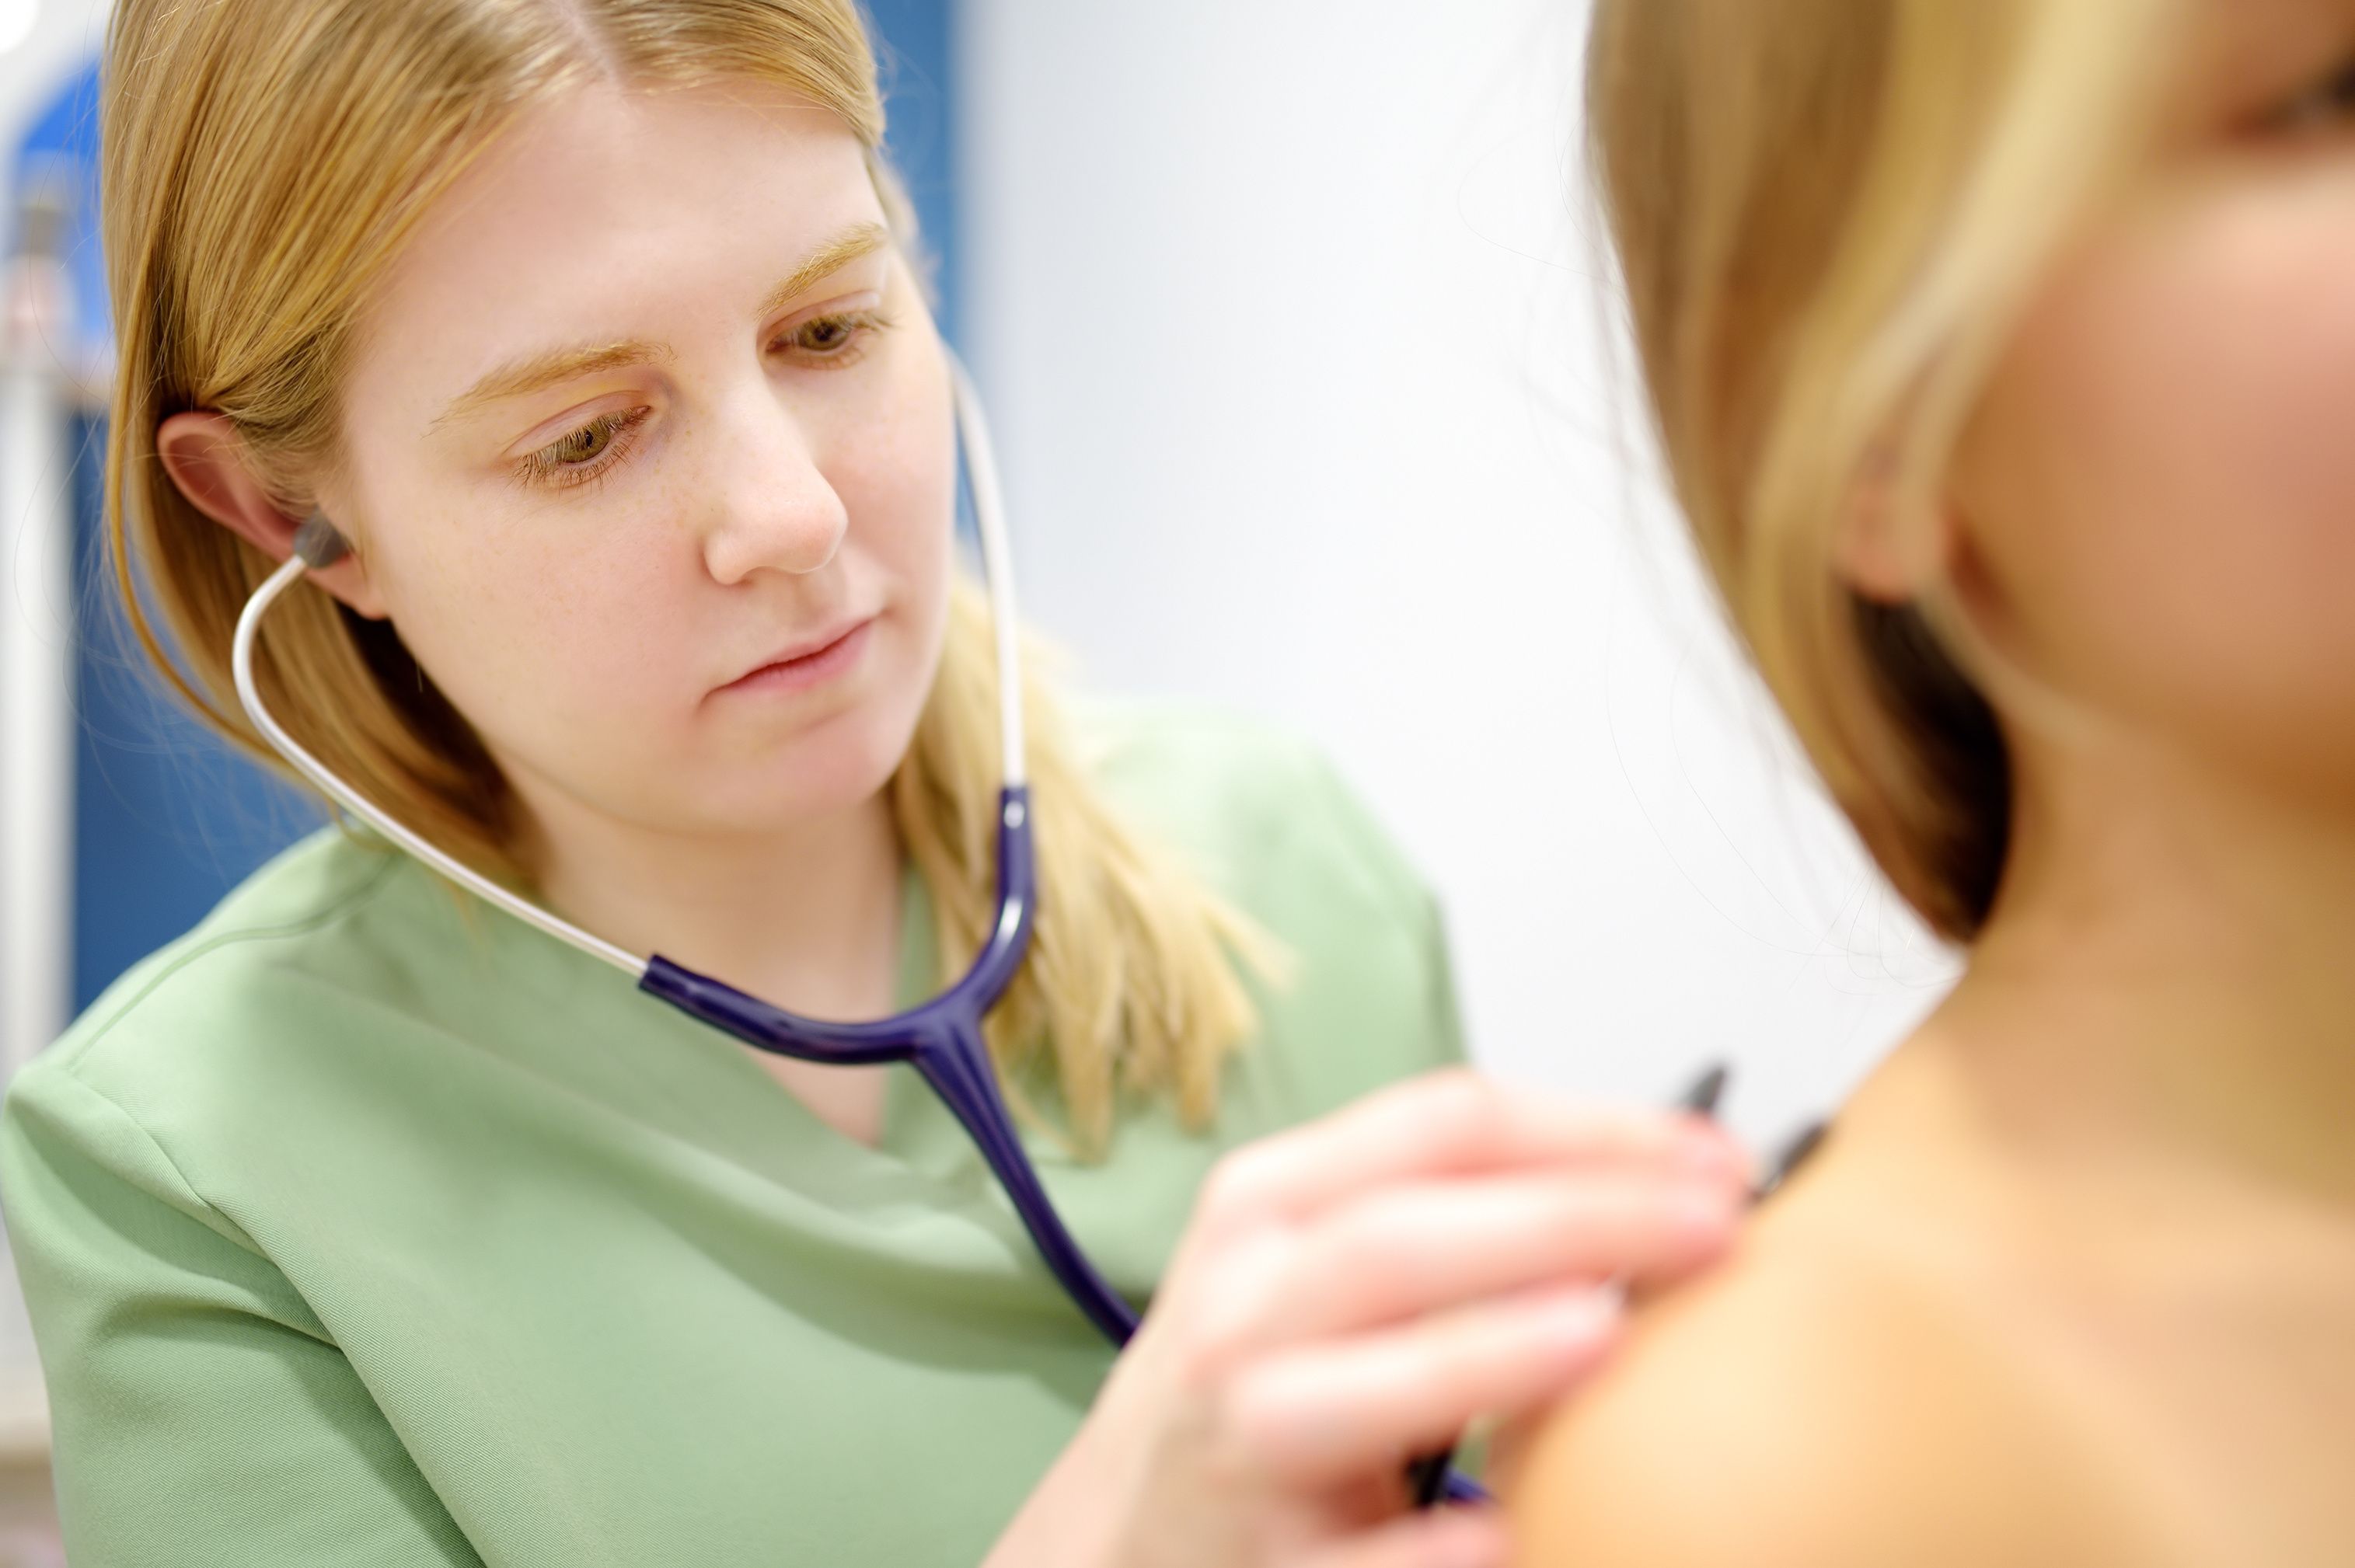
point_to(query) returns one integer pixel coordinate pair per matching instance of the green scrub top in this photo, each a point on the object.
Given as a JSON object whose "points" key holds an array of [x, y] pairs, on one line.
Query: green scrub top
{"points": [[364, 1227]]}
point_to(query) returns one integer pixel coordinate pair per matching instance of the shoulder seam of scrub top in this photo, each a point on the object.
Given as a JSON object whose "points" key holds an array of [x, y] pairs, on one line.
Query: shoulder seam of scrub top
{"points": [[196, 1205], [317, 920]]}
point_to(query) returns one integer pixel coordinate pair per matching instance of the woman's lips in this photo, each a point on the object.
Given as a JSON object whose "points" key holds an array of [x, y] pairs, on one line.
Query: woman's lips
{"points": [[800, 673]]}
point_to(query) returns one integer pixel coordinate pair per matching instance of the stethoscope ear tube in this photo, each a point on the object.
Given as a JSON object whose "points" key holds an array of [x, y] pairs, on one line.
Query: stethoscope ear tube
{"points": [[318, 543]]}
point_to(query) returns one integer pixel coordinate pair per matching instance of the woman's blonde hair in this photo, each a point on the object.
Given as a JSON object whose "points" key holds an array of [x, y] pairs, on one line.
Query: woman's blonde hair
{"points": [[264, 162], [1829, 215]]}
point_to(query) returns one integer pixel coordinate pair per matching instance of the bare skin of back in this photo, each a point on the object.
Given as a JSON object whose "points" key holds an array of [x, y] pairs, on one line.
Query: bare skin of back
{"points": [[1962, 1336]]}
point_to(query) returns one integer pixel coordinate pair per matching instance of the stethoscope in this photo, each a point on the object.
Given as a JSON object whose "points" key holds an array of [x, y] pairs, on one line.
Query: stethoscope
{"points": [[943, 1038]]}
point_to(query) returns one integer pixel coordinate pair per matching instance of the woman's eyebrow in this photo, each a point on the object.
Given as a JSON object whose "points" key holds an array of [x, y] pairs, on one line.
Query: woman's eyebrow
{"points": [[537, 372], [855, 243]]}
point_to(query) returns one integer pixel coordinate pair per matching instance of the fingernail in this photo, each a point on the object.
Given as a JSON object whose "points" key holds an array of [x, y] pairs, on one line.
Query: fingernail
{"points": [[1707, 1215], [1586, 1316], [1709, 1150]]}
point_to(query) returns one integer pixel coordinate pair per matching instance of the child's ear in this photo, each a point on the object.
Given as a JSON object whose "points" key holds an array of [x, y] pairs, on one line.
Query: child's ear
{"points": [[206, 458], [1882, 556]]}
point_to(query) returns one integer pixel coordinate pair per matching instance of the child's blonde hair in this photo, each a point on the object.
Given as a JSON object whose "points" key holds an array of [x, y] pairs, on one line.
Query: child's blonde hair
{"points": [[1829, 214]]}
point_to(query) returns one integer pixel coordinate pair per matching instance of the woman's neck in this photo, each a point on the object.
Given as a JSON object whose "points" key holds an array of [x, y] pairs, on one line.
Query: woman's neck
{"points": [[2170, 970], [807, 917]]}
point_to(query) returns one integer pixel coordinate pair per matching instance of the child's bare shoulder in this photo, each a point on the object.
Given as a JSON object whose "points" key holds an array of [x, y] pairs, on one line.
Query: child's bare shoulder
{"points": [[1825, 1401]]}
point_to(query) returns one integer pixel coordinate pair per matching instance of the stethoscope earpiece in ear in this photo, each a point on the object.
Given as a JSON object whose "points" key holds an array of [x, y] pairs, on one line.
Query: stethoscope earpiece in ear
{"points": [[317, 544]]}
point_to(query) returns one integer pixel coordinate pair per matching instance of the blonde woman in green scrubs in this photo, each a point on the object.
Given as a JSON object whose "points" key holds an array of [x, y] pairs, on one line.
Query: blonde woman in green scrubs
{"points": [[366, 1226]]}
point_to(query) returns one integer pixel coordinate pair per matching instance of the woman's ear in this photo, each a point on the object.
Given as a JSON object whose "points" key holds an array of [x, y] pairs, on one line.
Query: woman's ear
{"points": [[206, 459], [1883, 555]]}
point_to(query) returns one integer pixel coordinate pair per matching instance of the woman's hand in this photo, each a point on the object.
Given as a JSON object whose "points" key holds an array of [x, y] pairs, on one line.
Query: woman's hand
{"points": [[1356, 1292]]}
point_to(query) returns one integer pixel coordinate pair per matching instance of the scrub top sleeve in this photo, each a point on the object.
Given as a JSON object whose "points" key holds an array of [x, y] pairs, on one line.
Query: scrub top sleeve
{"points": [[1401, 888], [203, 1417], [1446, 1014]]}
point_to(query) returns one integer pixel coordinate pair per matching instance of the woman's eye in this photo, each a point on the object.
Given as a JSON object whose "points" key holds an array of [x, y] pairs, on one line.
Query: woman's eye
{"points": [[826, 335], [584, 445], [583, 454], [837, 338]]}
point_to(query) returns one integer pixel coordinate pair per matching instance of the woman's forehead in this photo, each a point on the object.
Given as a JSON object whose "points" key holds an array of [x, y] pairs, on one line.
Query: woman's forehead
{"points": [[613, 216], [738, 157]]}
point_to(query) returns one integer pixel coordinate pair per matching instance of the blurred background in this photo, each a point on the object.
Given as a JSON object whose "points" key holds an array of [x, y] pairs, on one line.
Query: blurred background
{"points": [[1294, 321]]}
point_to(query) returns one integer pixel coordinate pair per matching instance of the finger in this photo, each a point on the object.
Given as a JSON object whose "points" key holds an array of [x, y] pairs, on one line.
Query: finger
{"points": [[1406, 1252], [1455, 1123], [1320, 1414], [1450, 1537]]}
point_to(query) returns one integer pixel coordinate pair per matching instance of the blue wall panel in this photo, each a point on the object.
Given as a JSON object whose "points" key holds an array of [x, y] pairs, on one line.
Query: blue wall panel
{"points": [[167, 817], [916, 50]]}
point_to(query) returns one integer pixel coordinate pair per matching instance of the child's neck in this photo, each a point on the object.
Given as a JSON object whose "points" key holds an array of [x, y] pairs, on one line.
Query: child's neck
{"points": [[2171, 971]]}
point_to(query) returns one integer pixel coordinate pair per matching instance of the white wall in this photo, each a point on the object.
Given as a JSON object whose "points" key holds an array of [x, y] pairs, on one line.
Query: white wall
{"points": [[1290, 316], [52, 39]]}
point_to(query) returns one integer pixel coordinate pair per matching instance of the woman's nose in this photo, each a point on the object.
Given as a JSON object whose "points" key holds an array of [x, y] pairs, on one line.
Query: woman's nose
{"points": [[773, 508]]}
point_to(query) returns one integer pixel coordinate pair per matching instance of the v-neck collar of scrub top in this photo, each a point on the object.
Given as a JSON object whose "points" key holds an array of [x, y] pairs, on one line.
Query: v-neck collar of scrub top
{"points": [[919, 1134], [688, 1080]]}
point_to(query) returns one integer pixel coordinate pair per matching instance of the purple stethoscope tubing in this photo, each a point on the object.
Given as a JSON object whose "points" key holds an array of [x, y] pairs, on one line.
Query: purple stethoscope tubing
{"points": [[943, 1038], [942, 1041]]}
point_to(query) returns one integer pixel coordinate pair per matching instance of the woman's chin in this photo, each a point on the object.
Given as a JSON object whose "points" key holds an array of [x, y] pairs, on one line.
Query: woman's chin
{"points": [[825, 775]]}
